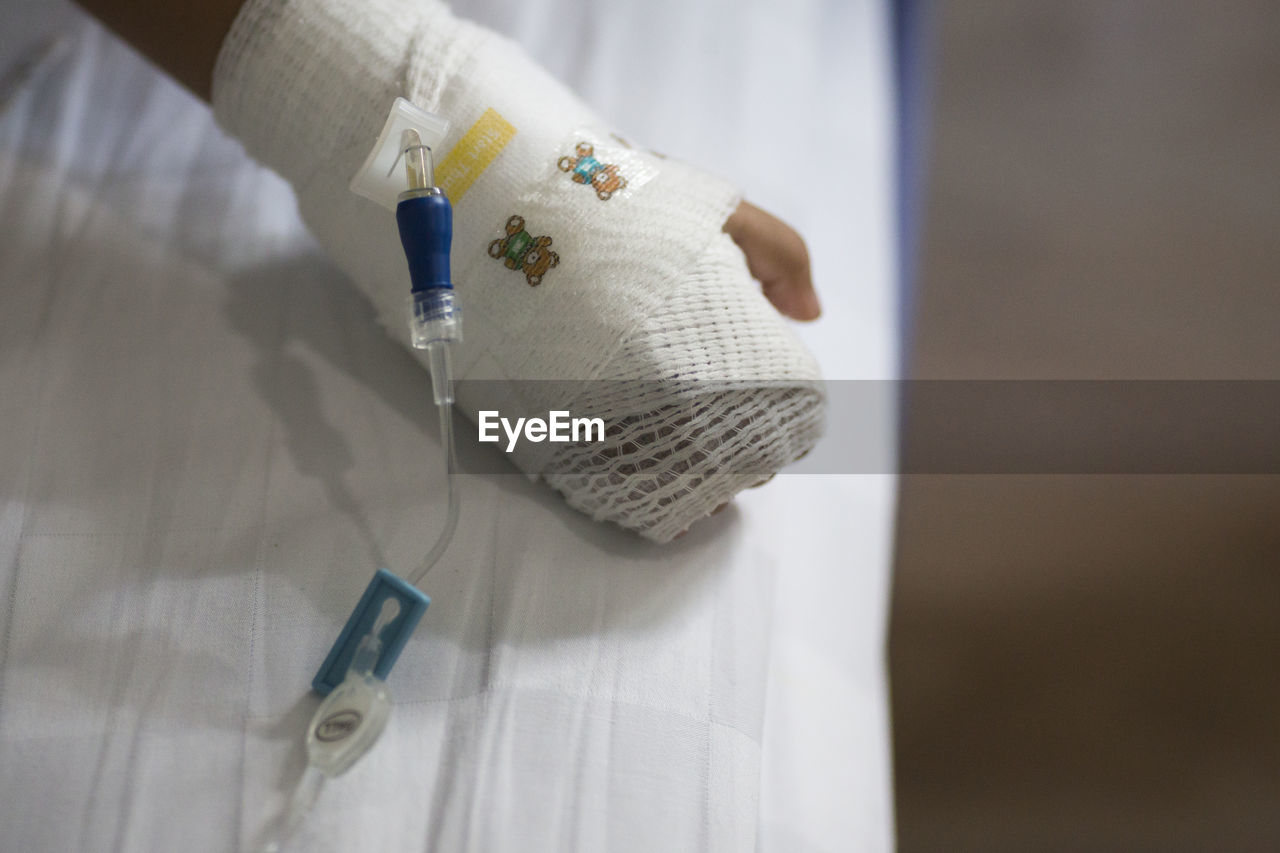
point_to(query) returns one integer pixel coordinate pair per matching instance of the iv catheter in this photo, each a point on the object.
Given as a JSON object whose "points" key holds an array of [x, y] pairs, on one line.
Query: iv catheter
{"points": [[358, 704], [425, 221]]}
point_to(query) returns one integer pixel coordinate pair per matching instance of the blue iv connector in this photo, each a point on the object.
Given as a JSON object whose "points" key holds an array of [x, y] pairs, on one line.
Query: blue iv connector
{"points": [[426, 232], [425, 220]]}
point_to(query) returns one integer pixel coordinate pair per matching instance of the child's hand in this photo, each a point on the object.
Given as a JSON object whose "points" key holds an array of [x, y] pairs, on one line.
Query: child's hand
{"points": [[777, 257]]}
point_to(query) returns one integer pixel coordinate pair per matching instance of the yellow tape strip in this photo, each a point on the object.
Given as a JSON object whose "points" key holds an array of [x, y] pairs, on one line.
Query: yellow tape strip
{"points": [[477, 148]]}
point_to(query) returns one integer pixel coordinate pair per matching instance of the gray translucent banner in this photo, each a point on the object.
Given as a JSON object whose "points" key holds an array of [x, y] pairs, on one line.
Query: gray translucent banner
{"points": [[975, 427]]}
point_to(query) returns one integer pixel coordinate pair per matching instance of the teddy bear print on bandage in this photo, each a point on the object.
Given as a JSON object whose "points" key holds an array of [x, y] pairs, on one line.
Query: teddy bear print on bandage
{"points": [[586, 169], [603, 164], [521, 250]]}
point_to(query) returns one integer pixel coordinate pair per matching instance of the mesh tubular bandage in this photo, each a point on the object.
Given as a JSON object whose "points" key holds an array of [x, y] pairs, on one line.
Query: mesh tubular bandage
{"points": [[638, 305]]}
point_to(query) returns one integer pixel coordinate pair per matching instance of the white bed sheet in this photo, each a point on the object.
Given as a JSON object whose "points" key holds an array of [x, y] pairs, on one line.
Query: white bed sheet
{"points": [[206, 446]]}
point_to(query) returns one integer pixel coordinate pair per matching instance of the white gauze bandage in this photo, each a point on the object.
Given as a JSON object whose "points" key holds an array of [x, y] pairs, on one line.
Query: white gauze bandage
{"points": [[638, 309]]}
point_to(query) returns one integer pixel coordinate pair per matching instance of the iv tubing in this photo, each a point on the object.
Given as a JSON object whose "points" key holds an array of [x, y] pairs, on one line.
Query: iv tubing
{"points": [[425, 220], [441, 373]]}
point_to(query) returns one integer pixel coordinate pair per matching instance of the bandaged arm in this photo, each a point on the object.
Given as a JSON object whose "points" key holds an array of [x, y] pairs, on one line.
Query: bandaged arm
{"points": [[578, 257]]}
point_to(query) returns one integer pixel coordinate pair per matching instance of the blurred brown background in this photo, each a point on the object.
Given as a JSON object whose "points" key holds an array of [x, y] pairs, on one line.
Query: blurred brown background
{"points": [[1092, 663]]}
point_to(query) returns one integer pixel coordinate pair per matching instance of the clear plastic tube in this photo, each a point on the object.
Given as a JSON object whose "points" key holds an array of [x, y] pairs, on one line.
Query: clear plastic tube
{"points": [[442, 380], [304, 797]]}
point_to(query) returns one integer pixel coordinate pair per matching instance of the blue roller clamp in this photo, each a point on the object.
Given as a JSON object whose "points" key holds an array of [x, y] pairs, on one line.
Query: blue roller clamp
{"points": [[384, 585]]}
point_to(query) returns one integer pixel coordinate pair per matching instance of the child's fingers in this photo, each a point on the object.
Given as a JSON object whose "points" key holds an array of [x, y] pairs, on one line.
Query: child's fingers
{"points": [[777, 257]]}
